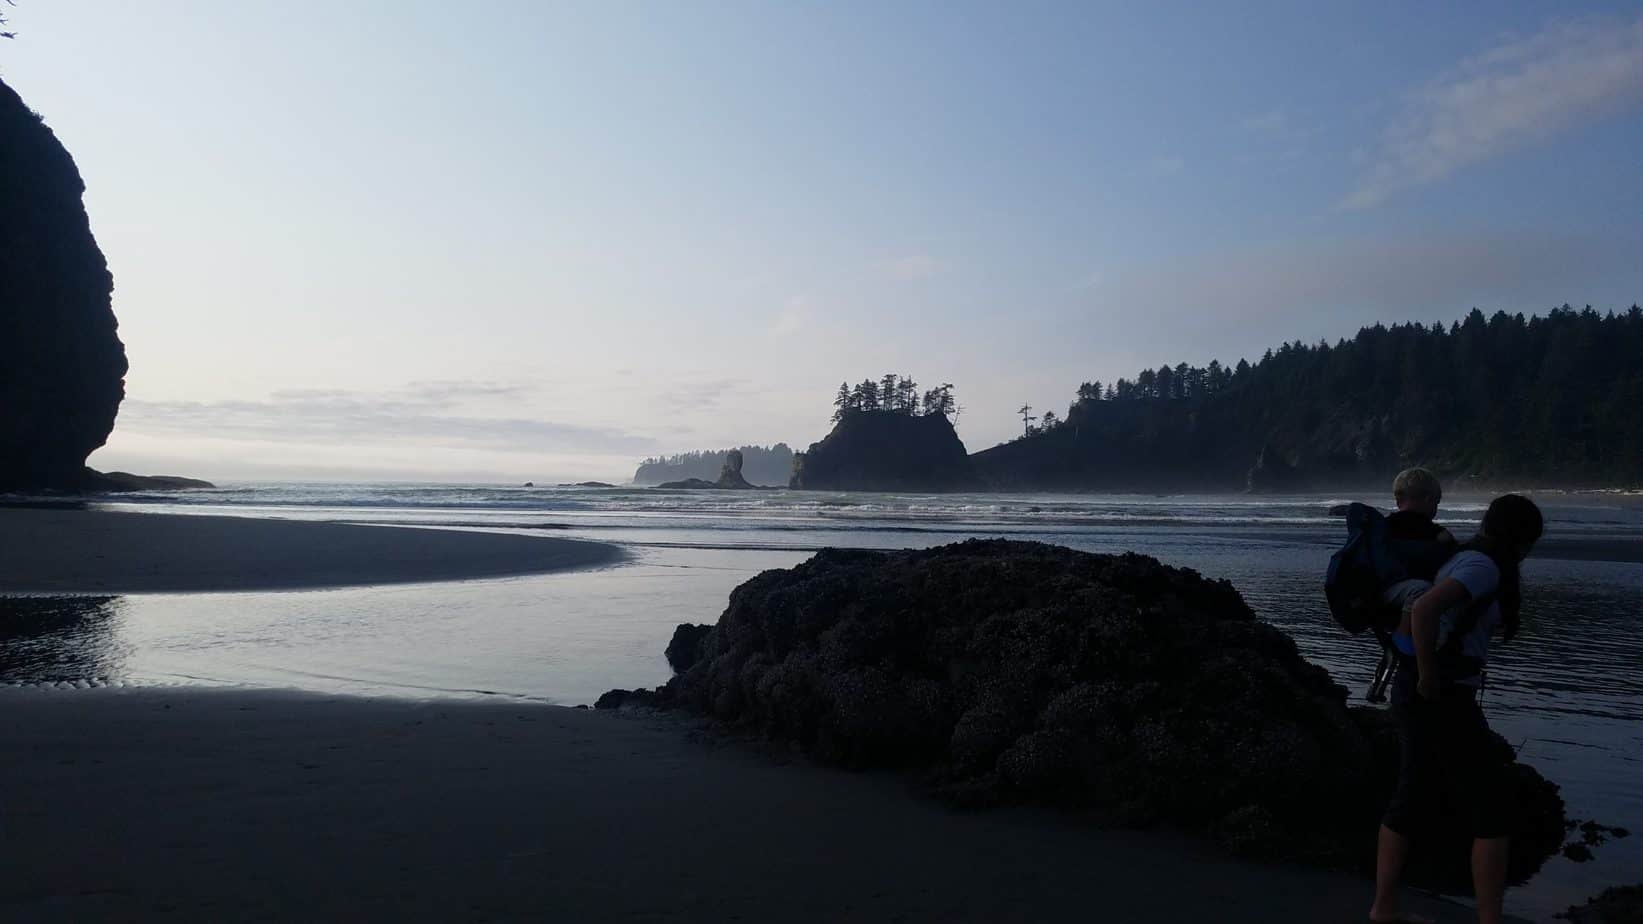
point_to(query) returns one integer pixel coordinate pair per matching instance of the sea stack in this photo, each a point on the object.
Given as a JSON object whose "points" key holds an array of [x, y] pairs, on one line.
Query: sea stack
{"points": [[62, 365], [886, 451]]}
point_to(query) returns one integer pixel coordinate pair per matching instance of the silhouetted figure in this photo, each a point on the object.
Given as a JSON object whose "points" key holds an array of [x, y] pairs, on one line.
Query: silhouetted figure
{"points": [[1446, 745]]}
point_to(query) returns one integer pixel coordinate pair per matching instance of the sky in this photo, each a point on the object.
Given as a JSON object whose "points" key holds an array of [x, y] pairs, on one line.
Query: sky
{"points": [[509, 241]]}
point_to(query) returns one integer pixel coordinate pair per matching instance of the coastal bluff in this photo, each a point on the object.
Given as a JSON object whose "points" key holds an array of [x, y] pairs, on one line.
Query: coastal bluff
{"points": [[886, 451], [1005, 672], [62, 365]]}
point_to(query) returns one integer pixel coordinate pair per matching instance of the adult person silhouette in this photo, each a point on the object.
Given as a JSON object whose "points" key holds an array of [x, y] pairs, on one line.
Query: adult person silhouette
{"points": [[1447, 757]]}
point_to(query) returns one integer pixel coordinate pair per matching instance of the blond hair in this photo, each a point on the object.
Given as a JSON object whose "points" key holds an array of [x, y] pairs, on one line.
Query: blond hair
{"points": [[1416, 484]]}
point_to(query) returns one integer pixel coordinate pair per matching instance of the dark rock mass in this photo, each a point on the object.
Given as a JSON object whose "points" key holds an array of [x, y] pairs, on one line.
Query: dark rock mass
{"points": [[886, 451], [117, 482], [730, 476], [62, 366], [1619, 905], [690, 484], [761, 466], [1008, 671]]}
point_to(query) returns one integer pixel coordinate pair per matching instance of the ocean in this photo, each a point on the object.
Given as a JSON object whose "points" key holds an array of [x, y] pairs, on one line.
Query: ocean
{"points": [[1568, 692]]}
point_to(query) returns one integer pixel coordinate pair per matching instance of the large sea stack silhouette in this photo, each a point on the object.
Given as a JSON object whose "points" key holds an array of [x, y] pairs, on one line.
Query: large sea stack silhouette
{"points": [[886, 451], [62, 365]]}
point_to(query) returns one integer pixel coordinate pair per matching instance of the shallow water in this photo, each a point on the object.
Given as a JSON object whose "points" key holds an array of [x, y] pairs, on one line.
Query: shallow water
{"points": [[1569, 691]]}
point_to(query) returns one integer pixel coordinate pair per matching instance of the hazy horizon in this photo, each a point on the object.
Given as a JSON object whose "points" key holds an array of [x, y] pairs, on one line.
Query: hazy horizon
{"points": [[542, 242]]}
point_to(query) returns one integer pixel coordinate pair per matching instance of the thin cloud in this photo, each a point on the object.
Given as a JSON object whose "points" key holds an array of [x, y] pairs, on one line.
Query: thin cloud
{"points": [[336, 417], [912, 267], [793, 317], [1167, 165], [1091, 281], [1518, 92], [1275, 123], [1306, 289], [687, 396]]}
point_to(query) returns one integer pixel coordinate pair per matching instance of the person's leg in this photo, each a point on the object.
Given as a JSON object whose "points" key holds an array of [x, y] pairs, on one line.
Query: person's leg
{"points": [[1411, 803], [1485, 779], [1391, 852], [1489, 876]]}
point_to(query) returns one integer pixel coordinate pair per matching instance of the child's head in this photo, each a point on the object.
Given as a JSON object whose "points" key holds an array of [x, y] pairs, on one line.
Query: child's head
{"points": [[1418, 490]]}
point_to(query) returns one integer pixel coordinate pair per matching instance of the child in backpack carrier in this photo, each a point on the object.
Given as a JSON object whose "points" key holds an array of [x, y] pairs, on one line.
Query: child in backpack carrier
{"points": [[1421, 546]]}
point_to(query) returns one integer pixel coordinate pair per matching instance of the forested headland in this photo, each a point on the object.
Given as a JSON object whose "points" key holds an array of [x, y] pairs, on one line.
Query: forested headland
{"points": [[1553, 400]]}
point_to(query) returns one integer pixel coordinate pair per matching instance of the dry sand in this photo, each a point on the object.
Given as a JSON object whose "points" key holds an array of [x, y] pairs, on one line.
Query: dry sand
{"points": [[56, 550], [147, 804]]}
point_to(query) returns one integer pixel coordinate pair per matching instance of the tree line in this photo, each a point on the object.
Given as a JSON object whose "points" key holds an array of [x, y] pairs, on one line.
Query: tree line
{"points": [[895, 394], [1545, 399]]}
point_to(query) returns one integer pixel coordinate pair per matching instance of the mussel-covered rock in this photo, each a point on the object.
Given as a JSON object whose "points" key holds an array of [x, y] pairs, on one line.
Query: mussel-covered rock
{"points": [[1010, 671]]}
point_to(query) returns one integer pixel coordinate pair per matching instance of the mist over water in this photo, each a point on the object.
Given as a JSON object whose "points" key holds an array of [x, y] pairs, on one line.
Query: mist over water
{"points": [[1568, 690]]}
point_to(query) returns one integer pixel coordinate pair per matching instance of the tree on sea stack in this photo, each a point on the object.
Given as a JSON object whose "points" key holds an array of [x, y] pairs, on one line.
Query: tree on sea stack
{"points": [[940, 401], [842, 404]]}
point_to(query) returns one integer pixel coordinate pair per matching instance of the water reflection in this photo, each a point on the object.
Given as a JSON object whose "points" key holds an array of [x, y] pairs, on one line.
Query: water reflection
{"points": [[53, 639]]}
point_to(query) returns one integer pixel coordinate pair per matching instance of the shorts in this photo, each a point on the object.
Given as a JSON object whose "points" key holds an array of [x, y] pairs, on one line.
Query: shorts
{"points": [[1449, 762]]}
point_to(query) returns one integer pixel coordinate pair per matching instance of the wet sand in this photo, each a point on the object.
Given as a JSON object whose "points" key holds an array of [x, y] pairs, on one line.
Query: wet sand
{"points": [[45, 550], [146, 804]]}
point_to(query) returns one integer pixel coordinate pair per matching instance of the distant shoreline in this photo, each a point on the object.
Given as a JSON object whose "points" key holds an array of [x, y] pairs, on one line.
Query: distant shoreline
{"points": [[55, 550]]}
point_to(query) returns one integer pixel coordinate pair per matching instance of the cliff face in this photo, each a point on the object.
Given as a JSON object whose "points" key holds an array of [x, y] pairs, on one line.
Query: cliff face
{"points": [[62, 366], [886, 451]]}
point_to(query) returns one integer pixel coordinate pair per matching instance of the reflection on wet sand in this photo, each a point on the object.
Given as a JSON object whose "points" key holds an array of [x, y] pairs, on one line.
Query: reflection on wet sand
{"points": [[46, 640]]}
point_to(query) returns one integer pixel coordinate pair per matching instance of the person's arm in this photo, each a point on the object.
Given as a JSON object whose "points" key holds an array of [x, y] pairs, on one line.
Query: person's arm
{"points": [[1423, 626]]}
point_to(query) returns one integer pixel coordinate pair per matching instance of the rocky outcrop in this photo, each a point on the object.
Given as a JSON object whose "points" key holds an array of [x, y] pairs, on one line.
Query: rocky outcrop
{"points": [[1619, 905], [118, 482], [1008, 671], [761, 466], [730, 476], [886, 451], [62, 366]]}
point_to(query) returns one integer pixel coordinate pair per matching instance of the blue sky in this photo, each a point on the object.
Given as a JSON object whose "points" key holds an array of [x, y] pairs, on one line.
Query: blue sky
{"points": [[504, 241]]}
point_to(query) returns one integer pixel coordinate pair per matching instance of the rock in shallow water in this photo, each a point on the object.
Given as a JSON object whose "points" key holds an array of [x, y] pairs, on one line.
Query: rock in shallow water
{"points": [[1619, 905], [1009, 671]]}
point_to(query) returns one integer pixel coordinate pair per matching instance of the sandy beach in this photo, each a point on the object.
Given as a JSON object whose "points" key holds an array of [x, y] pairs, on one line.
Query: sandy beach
{"points": [[57, 550], [149, 804]]}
